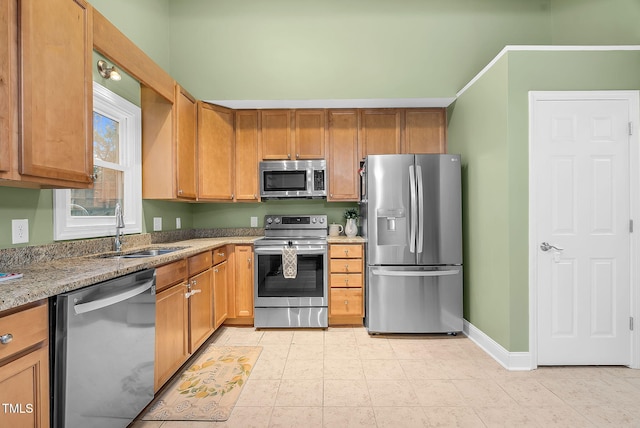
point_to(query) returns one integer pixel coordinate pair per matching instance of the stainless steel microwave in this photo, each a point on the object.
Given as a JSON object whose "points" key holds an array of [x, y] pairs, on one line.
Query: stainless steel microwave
{"points": [[293, 179]]}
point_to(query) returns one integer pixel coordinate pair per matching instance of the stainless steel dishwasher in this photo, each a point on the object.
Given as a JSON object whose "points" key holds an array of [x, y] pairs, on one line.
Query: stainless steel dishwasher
{"points": [[103, 352]]}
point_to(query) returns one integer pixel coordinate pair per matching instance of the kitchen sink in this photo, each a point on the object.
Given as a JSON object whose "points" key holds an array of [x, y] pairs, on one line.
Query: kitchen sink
{"points": [[149, 252]]}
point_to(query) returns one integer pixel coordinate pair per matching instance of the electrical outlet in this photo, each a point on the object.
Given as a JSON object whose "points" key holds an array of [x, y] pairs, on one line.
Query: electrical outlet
{"points": [[157, 224], [20, 231], [178, 223], [254, 221]]}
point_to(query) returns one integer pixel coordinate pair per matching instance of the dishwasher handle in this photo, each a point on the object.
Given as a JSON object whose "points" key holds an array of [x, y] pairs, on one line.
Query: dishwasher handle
{"points": [[103, 302], [384, 272]]}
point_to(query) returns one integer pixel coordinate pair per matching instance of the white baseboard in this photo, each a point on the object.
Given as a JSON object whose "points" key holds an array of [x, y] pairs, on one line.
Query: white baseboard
{"points": [[515, 361]]}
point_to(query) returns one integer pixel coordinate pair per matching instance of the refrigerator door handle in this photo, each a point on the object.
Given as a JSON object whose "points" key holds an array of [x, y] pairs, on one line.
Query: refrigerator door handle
{"points": [[414, 209], [384, 272], [420, 231]]}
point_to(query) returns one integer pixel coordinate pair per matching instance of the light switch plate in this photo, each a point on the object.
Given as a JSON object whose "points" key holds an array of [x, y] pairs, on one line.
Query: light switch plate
{"points": [[178, 223], [20, 231], [157, 224], [254, 221]]}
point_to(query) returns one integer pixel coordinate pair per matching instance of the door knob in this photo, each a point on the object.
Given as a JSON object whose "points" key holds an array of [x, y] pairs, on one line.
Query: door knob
{"points": [[545, 246]]}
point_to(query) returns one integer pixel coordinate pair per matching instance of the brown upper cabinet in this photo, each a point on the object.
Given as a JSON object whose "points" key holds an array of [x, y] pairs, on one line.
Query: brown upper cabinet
{"points": [[380, 131], [425, 131], [185, 123], [55, 145], [247, 155], [275, 134], [292, 134], [215, 153], [168, 145], [308, 137], [343, 161]]}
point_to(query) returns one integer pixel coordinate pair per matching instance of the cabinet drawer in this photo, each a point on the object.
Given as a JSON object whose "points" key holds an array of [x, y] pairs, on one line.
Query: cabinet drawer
{"points": [[170, 274], [346, 280], [346, 265], [27, 328], [220, 254], [199, 263], [346, 301], [346, 251]]}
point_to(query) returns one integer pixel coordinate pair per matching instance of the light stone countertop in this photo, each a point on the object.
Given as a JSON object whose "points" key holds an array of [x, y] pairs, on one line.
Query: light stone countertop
{"points": [[342, 239], [43, 280]]}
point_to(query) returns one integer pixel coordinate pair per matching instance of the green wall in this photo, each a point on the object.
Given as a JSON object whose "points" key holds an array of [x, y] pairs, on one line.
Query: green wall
{"points": [[333, 49], [488, 126], [145, 22], [595, 22], [239, 214], [478, 130]]}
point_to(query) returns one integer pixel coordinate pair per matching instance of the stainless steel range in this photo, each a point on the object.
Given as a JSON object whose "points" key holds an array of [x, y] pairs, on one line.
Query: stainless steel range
{"points": [[291, 272]]}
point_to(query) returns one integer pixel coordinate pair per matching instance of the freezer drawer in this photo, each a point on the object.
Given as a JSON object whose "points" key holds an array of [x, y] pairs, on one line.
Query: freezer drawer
{"points": [[414, 299]]}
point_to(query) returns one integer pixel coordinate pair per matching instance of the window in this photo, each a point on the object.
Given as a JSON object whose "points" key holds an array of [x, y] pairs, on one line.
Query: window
{"points": [[88, 213]]}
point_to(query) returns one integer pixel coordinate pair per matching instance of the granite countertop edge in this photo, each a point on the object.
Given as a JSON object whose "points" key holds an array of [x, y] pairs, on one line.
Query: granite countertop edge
{"points": [[44, 280]]}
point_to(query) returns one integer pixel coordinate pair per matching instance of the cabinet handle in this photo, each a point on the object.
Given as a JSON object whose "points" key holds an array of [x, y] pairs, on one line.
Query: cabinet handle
{"points": [[331, 195], [179, 191], [346, 281], [221, 254], [346, 302], [194, 282], [248, 262], [93, 177], [346, 268], [346, 252], [6, 338], [288, 155], [216, 270], [232, 195], [195, 292], [255, 196], [297, 155]]}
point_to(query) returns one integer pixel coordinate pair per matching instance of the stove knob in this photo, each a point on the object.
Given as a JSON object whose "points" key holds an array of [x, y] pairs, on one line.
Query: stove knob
{"points": [[277, 220], [313, 220], [269, 220], [321, 220]]}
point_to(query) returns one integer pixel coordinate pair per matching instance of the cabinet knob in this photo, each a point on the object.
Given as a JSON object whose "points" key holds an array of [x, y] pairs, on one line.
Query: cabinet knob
{"points": [[297, 155], [346, 302], [216, 270], [346, 252], [6, 338], [232, 195], [288, 155], [179, 191], [346, 267], [346, 281], [93, 177]]}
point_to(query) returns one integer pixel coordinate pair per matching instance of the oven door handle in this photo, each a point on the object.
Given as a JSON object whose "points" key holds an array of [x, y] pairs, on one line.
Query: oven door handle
{"points": [[307, 249]]}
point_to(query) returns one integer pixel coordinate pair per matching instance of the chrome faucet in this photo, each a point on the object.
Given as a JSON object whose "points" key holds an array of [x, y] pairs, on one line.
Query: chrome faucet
{"points": [[117, 242]]}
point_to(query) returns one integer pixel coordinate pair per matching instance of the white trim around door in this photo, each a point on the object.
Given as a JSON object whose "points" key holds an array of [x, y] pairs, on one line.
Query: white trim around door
{"points": [[634, 164]]}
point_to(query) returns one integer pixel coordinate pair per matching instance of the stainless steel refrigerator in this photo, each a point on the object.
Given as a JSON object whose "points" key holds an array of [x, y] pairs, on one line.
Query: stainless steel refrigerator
{"points": [[411, 218]]}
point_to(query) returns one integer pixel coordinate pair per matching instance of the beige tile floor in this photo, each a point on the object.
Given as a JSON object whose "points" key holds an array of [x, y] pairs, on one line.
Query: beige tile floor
{"points": [[342, 377]]}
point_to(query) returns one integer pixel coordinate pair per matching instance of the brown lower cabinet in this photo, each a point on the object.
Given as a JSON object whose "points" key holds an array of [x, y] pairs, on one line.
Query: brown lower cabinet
{"points": [[220, 284], [346, 281], [240, 296], [172, 320], [24, 366], [200, 299]]}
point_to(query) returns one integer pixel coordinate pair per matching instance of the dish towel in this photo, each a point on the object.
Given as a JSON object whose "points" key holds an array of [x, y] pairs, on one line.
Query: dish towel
{"points": [[289, 262]]}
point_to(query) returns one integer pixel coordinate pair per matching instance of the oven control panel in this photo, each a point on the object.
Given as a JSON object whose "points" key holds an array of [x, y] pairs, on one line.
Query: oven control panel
{"points": [[295, 221]]}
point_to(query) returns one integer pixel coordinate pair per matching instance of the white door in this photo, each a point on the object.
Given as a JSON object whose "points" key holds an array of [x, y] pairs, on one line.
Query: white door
{"points": [[580, 153]]}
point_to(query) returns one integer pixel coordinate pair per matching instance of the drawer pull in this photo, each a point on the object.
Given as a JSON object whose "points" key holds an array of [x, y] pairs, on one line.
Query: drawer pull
{"points": [[221, 254], [346, 302], [346, 252], [346, 268], [6, 338]]}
